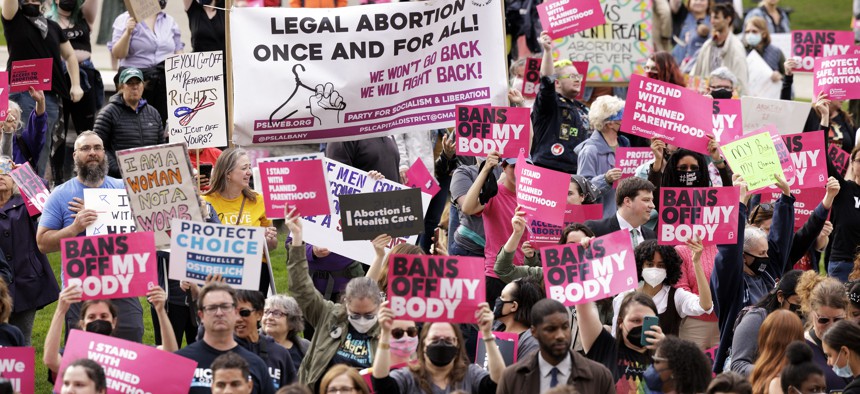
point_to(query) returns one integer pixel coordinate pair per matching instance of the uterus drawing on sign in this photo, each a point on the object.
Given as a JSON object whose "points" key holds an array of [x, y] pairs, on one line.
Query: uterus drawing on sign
{"points": [[324, 103]]}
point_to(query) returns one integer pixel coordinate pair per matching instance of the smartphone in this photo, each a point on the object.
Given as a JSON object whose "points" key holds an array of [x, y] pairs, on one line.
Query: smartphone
{"points": [[647, 322], [206, 170]]}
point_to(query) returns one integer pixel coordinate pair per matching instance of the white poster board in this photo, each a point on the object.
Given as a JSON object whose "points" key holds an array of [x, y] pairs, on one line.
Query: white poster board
{"points": [[196, 112], [114, 211]]}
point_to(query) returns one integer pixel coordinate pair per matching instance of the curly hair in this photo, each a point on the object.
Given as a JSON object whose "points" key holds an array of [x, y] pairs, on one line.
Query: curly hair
{"points": [[779, 329], [461, 362], [816, 291], [691, 368], [646, 250], [295, 318], [668, 69], [602, 109], [528, 291], [670, 172], [799, 365]]}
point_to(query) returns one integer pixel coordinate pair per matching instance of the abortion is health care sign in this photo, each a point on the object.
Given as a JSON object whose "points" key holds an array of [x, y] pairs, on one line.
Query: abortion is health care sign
{"points": [[482, 130], [130, 367], [707, 213], [300, 184], [436, 288], [349, 73], [574, 275], [565, 17], [110, 266], [18, 366], [676, 115], [198, 249], [542, 193]]}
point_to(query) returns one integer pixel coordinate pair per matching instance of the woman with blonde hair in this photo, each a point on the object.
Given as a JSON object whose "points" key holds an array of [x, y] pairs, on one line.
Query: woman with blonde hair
{"points": [[825, 302], [237, 204], [779, 329], [343, 379]]}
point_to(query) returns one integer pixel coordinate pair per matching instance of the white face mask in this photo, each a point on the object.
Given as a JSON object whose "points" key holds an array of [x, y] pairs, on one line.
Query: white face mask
{"points": [[362, 325], [654, 276]]}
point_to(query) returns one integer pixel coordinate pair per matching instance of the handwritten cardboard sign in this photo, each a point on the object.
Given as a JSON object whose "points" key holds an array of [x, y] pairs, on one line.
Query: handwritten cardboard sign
{"points": [[296, 183], [543, 234], [507, 342], [199, 249], [676, 115], [574, 275], [484, 129], [837, 76], [435, 288], [114, 212], [18, 366], [808, 161], [396, 213], [788, 117], [629, 159], [808, 45], [142, 9], [839, 157], [755, 158], [531, 77], [158, 182], [196, 99], [34, 73], [419, 176], [707, 213], [110, 266], [130, 367], [727, 117], [541, 192], [31, 187], [561, 18]]}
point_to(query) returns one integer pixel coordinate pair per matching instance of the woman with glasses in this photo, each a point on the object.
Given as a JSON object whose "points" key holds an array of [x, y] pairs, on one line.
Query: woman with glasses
{"points": [[283, 321], [800, 374], [824, 301], [596, 155], [679, 367], [341, 379], [842, 346], [442, 365], [779, 329], [346, 332], [249, 304]]}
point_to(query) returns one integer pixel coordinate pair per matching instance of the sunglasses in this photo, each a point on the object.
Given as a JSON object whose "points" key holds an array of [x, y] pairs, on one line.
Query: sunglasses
{"points": [[827, 320], [245, 312], [767, 207], [397, 333]]}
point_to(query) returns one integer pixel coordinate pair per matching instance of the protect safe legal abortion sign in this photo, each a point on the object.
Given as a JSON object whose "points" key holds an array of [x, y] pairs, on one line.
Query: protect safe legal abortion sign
{"points": [[574, 275], [678, 116], [436, 288], [707, 213], [484, 129], [110, 266], [199, 249]]}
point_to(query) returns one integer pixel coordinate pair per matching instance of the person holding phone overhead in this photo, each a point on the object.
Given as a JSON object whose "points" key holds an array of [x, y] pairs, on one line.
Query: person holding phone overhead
{"points": [[207, 158]]}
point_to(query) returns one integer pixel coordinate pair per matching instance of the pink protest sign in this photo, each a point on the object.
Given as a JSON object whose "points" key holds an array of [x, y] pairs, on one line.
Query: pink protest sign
{"points": [[804, 204], [110, 266], [34, 191], [808, 161], [544, 234], [531, 78], [435, 288], [18, 366], [708, 213], [629, 159], [574, 275], [298, 183], [676, 115], [506, 341], [484, 129], [728, 124], [4, 94], [33, 72], [542, 193], [130, 367], [561, 18], [837, 76], [808, 45], [419, 176], [839, 157], [782, 153]]}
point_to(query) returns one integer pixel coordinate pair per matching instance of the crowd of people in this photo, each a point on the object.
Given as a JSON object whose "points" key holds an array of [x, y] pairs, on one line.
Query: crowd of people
{"points": [[776, 312]]}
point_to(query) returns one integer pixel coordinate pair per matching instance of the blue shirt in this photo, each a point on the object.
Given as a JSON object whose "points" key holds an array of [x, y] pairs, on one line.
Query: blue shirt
{"points": [[56, 215]]}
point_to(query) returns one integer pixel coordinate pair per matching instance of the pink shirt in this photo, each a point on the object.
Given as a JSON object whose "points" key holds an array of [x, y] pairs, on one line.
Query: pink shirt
{"points": [[688, 274], [497, 215]]}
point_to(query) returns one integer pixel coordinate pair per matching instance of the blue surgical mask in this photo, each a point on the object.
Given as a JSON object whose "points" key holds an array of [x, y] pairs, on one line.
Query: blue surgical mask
{"points": [[753, 39], [652, 380], [842, 372]]}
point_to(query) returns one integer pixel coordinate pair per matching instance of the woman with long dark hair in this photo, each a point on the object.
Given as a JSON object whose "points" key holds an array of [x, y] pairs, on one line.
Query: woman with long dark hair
{"points": [[679, 367], [662, 67]]}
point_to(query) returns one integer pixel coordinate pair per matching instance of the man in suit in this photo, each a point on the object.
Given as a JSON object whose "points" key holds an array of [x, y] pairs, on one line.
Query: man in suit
{"points": [[555, 363], [635, 199]]}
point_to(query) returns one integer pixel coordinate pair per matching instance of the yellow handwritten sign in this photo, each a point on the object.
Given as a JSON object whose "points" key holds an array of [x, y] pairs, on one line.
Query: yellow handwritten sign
{"points": [[755, 158]]}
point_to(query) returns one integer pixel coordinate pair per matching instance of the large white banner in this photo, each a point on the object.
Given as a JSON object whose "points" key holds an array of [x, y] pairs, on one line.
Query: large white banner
{"points": [[314, 75]]}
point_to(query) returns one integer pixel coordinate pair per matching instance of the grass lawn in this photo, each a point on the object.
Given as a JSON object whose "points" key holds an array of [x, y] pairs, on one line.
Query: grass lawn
{"points": [[43, 318], [816, 15]]}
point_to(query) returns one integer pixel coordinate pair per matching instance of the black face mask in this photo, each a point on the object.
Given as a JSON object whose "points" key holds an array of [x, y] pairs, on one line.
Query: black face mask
{"points": [[100, 327], [162, 3], [498, 307], [31, 10], [68, 5], [688, 178], [441, 353], [652, 75], [634, 336], [721, 93], [759, 264]]}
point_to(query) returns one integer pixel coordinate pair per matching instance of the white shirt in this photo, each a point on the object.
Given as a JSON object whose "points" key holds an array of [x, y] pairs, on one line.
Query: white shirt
{"points": [[628, 227], [686, 303], [545, 367]]}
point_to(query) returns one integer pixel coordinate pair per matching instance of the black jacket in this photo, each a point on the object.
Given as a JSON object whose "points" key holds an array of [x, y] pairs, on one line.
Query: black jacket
{"points": [[610, 225], [121, 127]]}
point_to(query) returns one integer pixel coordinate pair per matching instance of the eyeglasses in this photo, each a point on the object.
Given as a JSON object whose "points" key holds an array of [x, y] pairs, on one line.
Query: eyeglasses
{"points": [[210, 309], [767, 207], [334, 390], [827, 320], [398, 332], [574, 77], [88, 148], [245, 312], [274, 313]]}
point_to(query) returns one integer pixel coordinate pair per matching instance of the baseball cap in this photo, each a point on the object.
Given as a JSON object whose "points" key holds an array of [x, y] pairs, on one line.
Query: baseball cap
{"points": [[130, 73]]}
